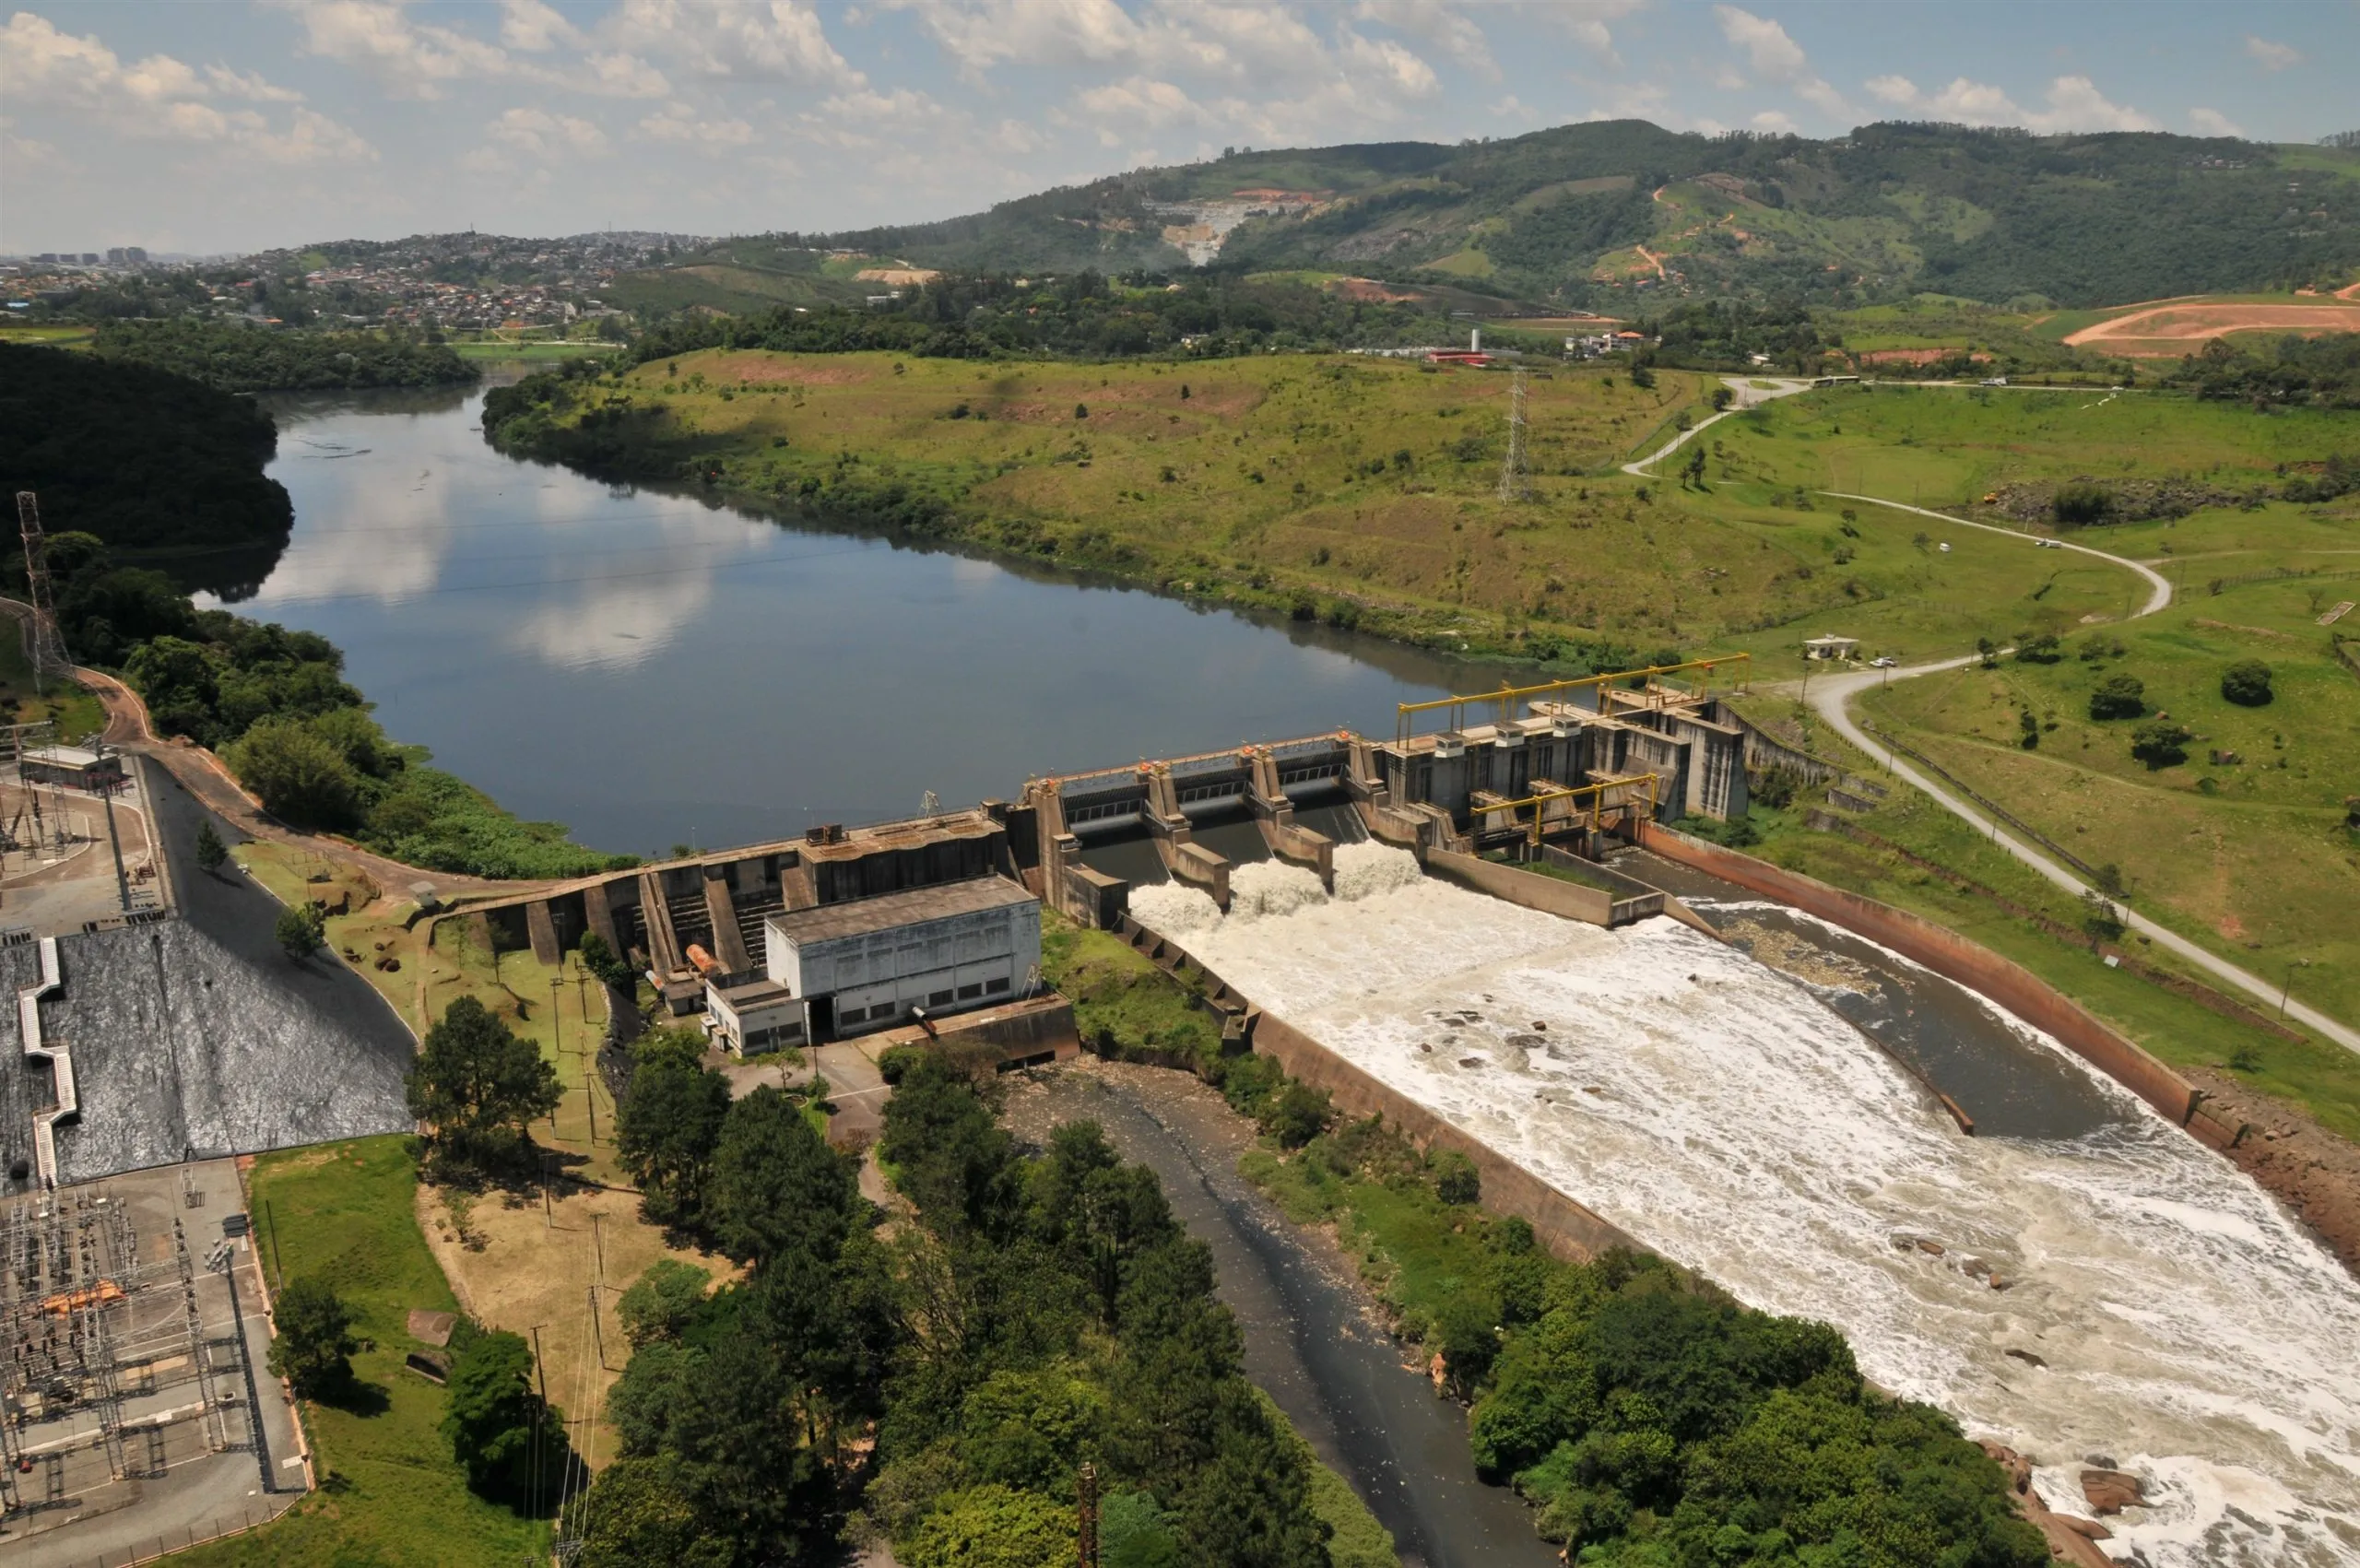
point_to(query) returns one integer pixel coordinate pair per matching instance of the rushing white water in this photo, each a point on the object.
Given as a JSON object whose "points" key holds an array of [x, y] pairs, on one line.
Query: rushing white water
{"points": [[2190, 1331]]}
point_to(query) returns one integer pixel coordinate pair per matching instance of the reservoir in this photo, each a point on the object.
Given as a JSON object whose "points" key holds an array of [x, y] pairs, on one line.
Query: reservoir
{"points": [[656, 669]]}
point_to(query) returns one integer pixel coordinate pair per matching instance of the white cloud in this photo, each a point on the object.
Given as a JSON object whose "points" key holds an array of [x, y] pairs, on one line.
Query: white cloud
{"points": [[540, 135], [535, 26], [413, 59], [2212, 123], [1437, 24], [1588, 22], [680, 124], [162, 99], [1119, 109], [2074, 104], [1390, 65], [249, 85], [1778, 58], [771, 40], [1775, 121], [2272, 56]]}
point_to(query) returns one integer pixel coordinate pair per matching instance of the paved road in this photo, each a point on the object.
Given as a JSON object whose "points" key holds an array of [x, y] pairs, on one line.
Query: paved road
{"points": [[1748, 396], [1832, 696]]}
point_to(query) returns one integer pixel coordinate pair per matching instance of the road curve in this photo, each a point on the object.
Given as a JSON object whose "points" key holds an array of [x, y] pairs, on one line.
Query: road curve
{"points": [[1748, 396], [1832, 701]]}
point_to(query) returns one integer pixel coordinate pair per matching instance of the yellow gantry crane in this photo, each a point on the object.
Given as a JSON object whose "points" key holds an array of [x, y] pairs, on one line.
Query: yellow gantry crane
{"points": [[1506, 697]]}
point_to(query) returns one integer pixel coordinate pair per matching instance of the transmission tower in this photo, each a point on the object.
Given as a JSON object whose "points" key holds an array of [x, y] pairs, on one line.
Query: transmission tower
{"points": [[1513, 481], [48, 650]]}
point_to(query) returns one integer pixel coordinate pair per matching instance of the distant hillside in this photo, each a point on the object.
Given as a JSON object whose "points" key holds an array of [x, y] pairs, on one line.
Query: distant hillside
{"points": [[1610, 215]]}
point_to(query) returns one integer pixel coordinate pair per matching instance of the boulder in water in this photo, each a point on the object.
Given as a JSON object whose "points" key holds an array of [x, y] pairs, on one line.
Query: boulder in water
{"points": [[2111, 1492]]}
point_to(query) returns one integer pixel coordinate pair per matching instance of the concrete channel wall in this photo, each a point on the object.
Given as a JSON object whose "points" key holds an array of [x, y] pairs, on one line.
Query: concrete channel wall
{"points": [[1978, 969]]}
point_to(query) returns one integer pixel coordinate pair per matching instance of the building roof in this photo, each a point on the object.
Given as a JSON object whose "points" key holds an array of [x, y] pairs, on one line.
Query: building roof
{"points": [[67, 756], [911, 906], [751, 995]]}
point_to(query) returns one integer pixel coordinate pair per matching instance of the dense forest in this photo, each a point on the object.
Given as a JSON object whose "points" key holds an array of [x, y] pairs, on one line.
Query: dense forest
{"points": [[1085, 316], [1044, 1311], [247, 359], [136, 456], [2323, 371]]}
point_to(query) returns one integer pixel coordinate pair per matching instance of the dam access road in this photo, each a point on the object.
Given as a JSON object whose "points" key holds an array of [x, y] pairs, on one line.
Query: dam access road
{"points": [[1832, 701]]}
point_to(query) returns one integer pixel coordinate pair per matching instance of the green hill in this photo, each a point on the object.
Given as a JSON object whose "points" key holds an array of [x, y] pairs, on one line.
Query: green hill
{"points": [[1614, 215]]}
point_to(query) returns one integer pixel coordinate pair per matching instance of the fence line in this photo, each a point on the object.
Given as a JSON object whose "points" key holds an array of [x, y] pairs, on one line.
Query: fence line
{"points": [[2088, 871]]}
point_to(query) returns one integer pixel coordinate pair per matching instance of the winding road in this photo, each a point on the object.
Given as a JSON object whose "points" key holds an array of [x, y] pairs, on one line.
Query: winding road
{"points": [[1831, 700]]}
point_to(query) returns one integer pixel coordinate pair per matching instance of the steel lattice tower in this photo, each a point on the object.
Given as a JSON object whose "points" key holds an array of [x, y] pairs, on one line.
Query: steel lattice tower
{"points": [[1512, 485], [46, 648]]}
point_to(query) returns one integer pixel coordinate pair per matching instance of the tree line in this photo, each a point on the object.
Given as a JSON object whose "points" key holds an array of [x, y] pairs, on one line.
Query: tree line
{"points": [[939, 1385], [256, 358]]}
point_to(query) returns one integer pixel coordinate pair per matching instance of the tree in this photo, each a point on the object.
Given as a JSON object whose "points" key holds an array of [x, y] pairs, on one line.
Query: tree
{"points": [[2029, 729], [640, 1512], [497, 1426], [2101, 922], [314, 1347], [2038, 648], [775, 1185], [602, 962], [2161, 743], [210, 851], [1693, 471], [2246, 683], [1456, 1179], [1722, 398], [301, 929], [302, 776], [1082, 410], [665, 1131], [475, 1083], [2082, 502], [2118, 697], [662, 1301]]}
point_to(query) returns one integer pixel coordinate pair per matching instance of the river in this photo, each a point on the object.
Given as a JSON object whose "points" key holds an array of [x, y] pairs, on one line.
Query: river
{"points": [[654, 667], [2087, 1283]]}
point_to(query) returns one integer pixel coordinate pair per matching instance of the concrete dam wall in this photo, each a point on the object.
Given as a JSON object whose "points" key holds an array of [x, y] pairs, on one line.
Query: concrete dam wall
{"points": [[183, 1046]]}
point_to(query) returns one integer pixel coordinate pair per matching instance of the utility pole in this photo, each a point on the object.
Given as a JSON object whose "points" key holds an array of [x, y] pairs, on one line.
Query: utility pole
{"points": [[1512, 485], [597, 1332], [48, 655], [1086, 1522]]}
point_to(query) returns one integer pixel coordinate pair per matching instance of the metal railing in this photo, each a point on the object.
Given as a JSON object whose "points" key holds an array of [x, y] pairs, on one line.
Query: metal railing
{"points": [[1507, 696]]}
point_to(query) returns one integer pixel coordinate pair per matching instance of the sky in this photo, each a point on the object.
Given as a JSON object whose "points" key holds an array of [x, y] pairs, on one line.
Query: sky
{"points": [[229, 125]]}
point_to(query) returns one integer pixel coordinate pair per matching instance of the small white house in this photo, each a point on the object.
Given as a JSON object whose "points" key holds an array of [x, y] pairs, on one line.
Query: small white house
{"points": [[759, 1016], [1831, 647]]}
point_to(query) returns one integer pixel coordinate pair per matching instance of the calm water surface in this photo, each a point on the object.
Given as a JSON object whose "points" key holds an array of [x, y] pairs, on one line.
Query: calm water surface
{"points": [[653, 668]]}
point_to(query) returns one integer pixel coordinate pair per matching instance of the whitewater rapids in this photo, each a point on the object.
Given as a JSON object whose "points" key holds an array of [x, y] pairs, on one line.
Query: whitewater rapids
{"points": [[2179, 1324]]}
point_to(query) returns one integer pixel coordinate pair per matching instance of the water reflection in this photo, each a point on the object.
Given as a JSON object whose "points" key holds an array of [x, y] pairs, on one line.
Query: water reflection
{"points": [[655, 667]]}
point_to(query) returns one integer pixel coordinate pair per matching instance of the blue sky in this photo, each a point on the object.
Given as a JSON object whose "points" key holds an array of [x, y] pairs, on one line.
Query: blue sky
{"points": [[232, 125]]}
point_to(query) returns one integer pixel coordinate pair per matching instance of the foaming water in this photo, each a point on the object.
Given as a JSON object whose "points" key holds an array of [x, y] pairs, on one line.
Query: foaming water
{"points": [[2176, 1320]]}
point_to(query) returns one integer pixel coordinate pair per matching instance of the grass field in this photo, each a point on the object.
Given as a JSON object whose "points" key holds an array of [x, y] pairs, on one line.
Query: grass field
{"points": [[391, 1496], [1943, 446], [75, 712], [515, 1262], [2251, 857], [1355, 491], [2323, 1077], [63, 335]]}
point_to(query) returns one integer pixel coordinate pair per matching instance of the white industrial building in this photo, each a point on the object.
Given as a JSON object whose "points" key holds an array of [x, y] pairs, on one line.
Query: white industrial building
{"points": [[850, 968]]}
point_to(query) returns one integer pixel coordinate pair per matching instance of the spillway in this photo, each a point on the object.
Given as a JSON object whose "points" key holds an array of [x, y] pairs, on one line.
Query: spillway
{"points": [[2122, 1294]]}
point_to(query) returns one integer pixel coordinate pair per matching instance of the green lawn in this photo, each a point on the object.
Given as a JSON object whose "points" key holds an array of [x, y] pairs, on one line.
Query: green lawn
{"points": [[2322, 1077], [2251, 857], [391, 1496]]}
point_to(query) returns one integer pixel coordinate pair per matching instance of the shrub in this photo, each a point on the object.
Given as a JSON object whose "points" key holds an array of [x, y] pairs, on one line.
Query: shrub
{"points": [[662, 1301], [2081, 503], [2246, 683], [315, 1344], [1455, 1178], [2160, 743], [2101, 922], [2118, 697], [1297, 1114], [2041, 649], [301, 929]]}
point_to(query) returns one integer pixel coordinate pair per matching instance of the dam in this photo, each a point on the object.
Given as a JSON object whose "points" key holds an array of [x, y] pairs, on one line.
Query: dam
{"points": [[2084, 1281]]}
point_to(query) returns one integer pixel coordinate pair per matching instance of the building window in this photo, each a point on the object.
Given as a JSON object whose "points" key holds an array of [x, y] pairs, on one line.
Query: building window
{"points": [[852, 1015], [996, 986], [938, 998], [969, 993]]}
